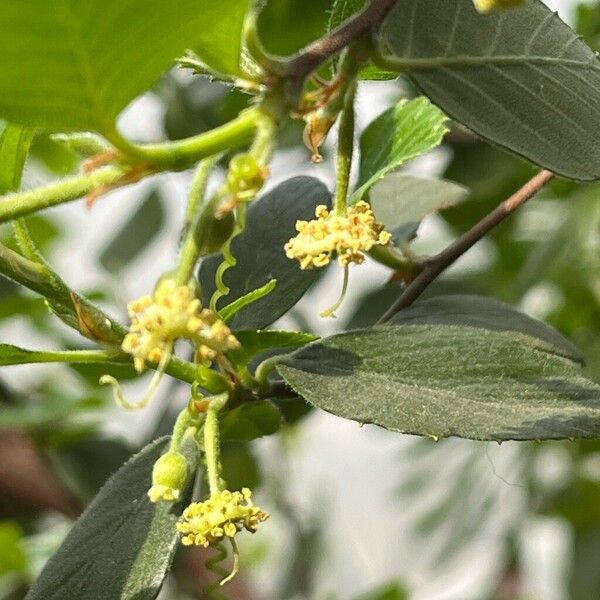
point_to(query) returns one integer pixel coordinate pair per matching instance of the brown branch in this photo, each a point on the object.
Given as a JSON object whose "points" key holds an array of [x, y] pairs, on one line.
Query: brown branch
{"points": [[307, 61], [439, 263]]}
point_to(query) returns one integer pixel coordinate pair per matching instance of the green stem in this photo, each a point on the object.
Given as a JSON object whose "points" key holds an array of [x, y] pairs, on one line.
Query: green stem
{"points": [[264, 369], [200, 217], [24, 203], [184, 153], [344, 151], [211, 443], [198, 189]]}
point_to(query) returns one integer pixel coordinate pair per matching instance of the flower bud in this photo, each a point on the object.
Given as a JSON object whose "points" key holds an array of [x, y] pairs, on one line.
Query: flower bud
{"points": [[170, 475]]}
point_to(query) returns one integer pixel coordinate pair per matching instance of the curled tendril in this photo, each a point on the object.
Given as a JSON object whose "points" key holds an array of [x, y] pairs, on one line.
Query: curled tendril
{"points": [[118, 394], [229, 259], [214, 565]]}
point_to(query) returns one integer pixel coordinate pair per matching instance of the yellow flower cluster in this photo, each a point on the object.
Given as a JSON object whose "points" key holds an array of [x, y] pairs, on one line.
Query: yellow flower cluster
{"points": [[348, 236], [223, 514], [173, 312]]}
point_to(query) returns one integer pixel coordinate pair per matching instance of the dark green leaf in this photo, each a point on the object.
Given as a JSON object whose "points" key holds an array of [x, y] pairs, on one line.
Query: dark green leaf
{"points": [[485, 313], [240, 467], [249, 421], [122, 545], [76, 65], [260, 255], [283, 16], [255, 342], [85, 465], [398, 135], [135, 236], [402, 201], [442, 380], [520, 78]]}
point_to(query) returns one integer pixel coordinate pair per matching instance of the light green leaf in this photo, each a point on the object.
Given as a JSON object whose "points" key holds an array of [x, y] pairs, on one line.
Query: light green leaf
{"points": [[249, 421], [400, 134], [14, 146], [122, 545], [402, 201], [221, 45], [260, 256], [72, 65], [520, 78], [135, 236], [448, 380]]}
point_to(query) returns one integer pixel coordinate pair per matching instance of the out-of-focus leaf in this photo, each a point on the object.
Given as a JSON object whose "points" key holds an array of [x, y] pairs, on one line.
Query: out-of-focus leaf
{"points": [[392, 591], [46, 413], [240, 466], [260, 256], [255, 342], [441, 380], [14, 146], [135, 236], [283, 16], [58, 158], [56, 73], [122, 545], [221, 46], [402, 201], [520, 78], [588, 24], [85, 465], [249, 421], [398, 135], [12, 558]]}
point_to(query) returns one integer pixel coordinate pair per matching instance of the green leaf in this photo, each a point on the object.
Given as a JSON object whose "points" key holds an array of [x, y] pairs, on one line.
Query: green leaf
{"points": [[255, 342], [14, 146], [135, 236], [392, 591], [484, 313], [340, 12], [280, 16], [398, 135], [85, 465], [448, 380], [122, 545], [402, 201], [12, 557], [220, 47], [75, 65], [520, 78], [249, 421], [260, 256], [240, 467]]}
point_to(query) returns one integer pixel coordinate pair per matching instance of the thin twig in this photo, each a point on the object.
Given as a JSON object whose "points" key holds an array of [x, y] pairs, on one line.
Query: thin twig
{"points": [[439, 263], [300, 67]]}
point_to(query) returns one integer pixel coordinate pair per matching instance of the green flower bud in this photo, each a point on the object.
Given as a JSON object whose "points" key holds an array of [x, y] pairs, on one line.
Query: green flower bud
{"points": [[245, 176], [169, 477]]}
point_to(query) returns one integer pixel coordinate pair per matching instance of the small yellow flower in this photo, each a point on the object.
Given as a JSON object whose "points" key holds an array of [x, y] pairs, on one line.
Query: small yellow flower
{"points": [[348, 236], [170, 475], [173, 312], [222, 515]]}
